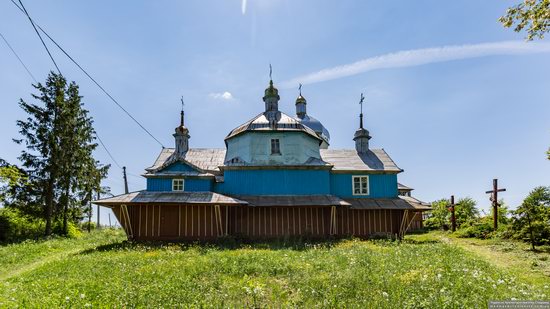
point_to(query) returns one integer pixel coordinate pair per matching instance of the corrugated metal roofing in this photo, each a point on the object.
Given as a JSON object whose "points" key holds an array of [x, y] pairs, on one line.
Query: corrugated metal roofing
{"points": [[386, 203], [351, 160], [261, 123], [208, 160], [418, 204], [403, 187], [293, 200], [171, 197], [205, 159]]}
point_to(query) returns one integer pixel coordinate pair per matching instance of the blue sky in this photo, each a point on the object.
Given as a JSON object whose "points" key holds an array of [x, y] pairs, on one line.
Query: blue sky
{"points": [[481, 112]]}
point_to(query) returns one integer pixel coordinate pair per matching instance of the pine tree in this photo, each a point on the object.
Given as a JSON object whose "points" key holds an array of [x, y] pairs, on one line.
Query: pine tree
{"points": [[59, 139]]}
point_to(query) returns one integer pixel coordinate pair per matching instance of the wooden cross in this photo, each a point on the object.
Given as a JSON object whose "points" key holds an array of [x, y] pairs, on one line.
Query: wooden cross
{"points": [[452, 210], [494, 199]]}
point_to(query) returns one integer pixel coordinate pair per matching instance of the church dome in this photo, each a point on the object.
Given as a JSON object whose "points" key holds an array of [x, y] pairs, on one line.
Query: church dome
{"points": [[316, 126]]}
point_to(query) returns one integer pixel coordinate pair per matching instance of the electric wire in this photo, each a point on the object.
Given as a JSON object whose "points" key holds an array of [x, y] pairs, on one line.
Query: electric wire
{"points": [[41, 40], [93, 80], [18, 58]]}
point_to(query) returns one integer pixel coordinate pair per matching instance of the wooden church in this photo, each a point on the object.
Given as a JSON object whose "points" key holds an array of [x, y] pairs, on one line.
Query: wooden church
{"points": [[277, 177]]}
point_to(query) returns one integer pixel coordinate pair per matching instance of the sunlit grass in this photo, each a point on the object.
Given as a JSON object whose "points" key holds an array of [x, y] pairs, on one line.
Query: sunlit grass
{"points": [[352, 273]]}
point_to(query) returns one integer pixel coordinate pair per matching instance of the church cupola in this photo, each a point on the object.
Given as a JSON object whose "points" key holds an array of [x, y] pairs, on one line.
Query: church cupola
{"points": [[301, 105], [271, 98], [181, 136], [362, 135]]}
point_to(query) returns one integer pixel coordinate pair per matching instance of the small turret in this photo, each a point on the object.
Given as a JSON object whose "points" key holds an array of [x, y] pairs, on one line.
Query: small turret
{"points": [[362, 135], [301, 105], [181, 136]]}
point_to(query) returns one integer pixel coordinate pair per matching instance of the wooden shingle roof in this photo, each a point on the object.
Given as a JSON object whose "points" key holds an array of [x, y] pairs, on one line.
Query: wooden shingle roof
{"points": [[292, 200]]}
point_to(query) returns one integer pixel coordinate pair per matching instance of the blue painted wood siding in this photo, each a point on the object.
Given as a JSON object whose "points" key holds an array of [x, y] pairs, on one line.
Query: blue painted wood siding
{"points": [[165, 184], [275, 182], [380, 185], [178, 167]]}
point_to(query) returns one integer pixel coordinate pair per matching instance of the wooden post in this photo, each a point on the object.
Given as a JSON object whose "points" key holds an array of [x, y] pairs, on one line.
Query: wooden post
{"points": [[494, 199], [98, 211], [125, 179], [452, 210]]}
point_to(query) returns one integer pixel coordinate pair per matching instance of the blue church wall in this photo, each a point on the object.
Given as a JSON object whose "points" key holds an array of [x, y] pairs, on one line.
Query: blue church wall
{"points": [[191, 184], [275, 182], [380, 185], [178, 167]]}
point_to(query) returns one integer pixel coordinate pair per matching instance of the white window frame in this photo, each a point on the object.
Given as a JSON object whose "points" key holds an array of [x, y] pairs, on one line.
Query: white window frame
{"points": [[361, 180], [174, 184]]}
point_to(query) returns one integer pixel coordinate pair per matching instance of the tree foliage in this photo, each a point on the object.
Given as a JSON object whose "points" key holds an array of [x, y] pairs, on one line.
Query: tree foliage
{"points": [[531, 220], [533, 15], [465, 211], [439, 215], [58, 160]]}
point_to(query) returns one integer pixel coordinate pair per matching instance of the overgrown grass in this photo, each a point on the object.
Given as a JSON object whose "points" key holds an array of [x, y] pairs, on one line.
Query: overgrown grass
{"points": [[371, 274]]}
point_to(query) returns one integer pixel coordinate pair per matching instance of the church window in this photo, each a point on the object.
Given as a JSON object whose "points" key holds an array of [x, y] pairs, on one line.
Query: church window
{"points": [[275, 146], [360, 185], [177, 184]]}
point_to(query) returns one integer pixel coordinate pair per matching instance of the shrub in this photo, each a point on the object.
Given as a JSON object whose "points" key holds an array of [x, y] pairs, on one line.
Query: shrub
{"points": [[15, 227]]}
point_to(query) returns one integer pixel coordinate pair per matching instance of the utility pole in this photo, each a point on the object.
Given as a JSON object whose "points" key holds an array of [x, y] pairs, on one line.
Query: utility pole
{"points": [[452, 210], [125, 180], [98, 210], [110, 221], [494, 199]]}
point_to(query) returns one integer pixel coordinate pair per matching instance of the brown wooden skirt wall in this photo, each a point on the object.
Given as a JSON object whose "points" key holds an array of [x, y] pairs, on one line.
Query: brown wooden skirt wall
{"points": [[203, 222]]}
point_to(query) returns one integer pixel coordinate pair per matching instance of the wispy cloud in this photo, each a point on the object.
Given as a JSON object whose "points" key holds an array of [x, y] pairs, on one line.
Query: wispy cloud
{"points": [[416, 57], [227, 96], [243, 6]]}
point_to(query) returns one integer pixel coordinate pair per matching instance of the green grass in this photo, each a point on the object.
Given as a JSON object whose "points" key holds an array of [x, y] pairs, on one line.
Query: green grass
{"points": [[372, 274]]}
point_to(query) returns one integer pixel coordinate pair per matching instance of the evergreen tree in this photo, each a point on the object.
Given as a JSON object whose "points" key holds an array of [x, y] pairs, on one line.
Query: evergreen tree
{"points": [[58, 159]]}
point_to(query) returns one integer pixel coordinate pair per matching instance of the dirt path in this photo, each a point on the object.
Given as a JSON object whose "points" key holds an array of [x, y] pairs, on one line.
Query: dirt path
{"points": [[36, 264], [515, 257]]}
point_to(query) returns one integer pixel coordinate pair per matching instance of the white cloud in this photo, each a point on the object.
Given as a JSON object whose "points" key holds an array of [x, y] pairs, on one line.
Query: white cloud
{"points": [[415, 57], [243, 7], [222, 96]]}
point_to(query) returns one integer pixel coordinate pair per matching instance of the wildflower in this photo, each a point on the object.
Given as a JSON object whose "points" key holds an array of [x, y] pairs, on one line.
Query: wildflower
{"points": [[385, 294], [67, 298], [82, 295]]}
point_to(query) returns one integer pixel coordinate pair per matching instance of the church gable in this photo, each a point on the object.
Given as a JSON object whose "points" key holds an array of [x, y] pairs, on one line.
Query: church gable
{"points": [[178, 167]]}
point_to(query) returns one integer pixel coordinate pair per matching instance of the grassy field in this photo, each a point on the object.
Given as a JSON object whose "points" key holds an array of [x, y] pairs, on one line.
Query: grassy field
{"points": [[100, 269]]}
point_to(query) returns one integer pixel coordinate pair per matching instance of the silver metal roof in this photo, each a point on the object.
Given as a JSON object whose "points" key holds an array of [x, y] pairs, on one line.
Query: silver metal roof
{"points": [[316, 126], [261, 123], [293, 200], [207, 161], [403, 187], [386, 203], [350, 160], [149, 197], [418, 204]]}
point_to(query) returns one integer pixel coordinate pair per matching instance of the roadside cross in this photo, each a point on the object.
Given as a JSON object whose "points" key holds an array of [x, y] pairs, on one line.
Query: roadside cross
{"points": [[452, 210], [494, 200]]}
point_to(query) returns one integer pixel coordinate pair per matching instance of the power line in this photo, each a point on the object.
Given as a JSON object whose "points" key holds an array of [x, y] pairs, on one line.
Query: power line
{"points": [[38, 33], [107, 150], [18, 58], [93, 80], [32, 76]]}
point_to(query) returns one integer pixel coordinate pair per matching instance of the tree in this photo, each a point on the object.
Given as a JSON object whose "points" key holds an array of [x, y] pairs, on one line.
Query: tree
{"points": [[11, 177], [439, 215], [465, 211], [58, 159], [531, 220], [531, 14]]}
